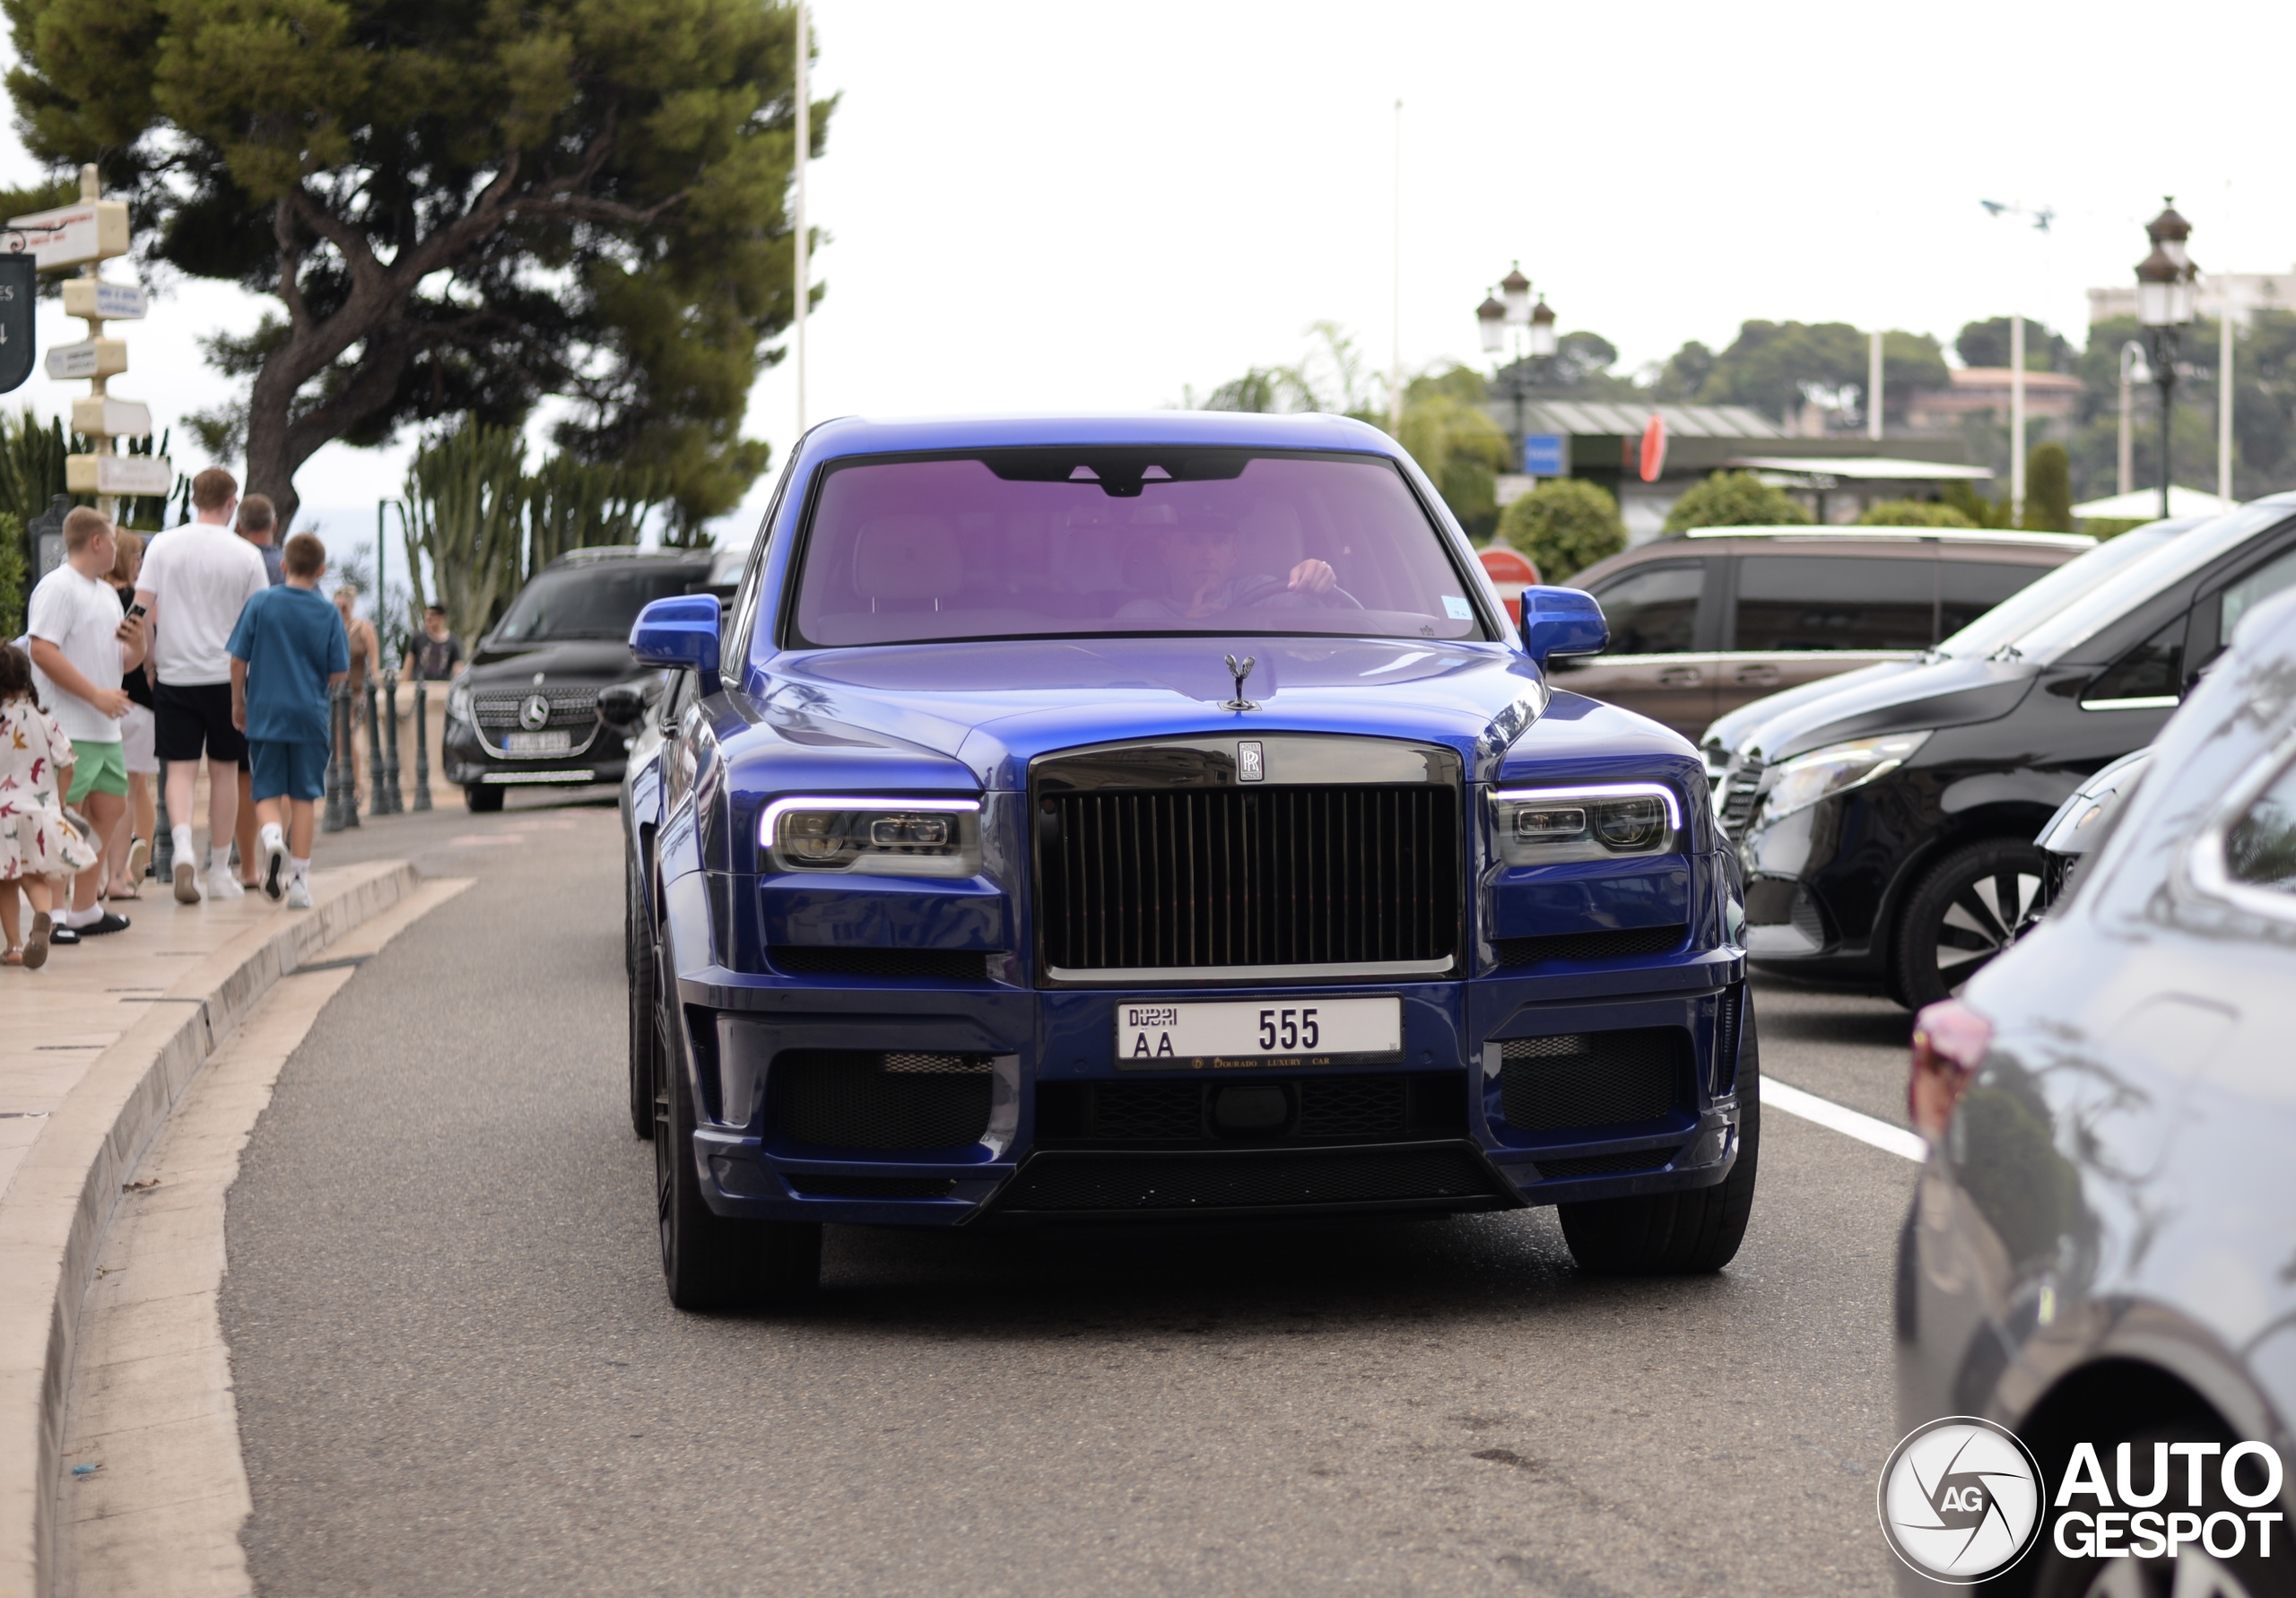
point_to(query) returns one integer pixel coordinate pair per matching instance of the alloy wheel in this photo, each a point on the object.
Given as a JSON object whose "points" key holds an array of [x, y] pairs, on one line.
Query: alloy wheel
{"points": [[1983, 919]]}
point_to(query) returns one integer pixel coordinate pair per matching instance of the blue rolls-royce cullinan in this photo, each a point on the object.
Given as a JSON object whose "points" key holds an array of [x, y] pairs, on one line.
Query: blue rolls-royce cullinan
{"points": [[1159, 816]]}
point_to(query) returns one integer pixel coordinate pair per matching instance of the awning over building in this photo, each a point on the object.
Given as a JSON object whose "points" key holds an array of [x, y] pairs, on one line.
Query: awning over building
{"points": [[2144, 504], [1600, 417], [1865, 468]]}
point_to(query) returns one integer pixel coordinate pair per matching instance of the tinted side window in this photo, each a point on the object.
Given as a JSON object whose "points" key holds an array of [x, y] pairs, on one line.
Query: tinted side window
{"points": [[1653, 609], [1967, 589], [1834, 601], [2251, 590], [2261, 850], [2153, 670]]}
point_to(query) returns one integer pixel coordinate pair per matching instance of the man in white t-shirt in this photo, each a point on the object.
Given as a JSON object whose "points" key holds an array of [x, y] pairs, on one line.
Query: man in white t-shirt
{"points": [[81, 646], [194, 582]]}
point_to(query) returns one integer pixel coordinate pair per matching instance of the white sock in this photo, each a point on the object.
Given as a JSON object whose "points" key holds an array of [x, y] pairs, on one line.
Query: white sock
{"points": [[272, 835], [300, 869], [218, 861], [181, 835], [87, 918]]}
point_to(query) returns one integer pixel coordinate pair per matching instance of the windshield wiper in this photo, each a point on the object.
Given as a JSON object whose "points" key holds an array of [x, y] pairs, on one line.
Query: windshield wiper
{"points": [[2008, 652]]}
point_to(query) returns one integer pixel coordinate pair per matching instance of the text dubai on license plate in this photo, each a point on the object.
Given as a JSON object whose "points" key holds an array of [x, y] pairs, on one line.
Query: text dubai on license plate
{"points": [[1256, 1032]]}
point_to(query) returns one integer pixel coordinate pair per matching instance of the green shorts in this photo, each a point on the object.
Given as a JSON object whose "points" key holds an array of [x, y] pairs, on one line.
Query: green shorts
{"points": [[97, 768]]}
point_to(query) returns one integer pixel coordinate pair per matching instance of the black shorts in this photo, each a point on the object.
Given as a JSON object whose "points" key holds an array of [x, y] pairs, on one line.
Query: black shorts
{"points": [[196, 719]]}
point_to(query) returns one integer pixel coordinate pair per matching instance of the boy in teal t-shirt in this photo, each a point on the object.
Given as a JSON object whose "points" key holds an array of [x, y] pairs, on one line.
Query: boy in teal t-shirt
{"points": [[287, 653]]}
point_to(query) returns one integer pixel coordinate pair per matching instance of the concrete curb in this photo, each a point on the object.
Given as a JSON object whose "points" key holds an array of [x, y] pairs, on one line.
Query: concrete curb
{"points": [[55, 1212]]}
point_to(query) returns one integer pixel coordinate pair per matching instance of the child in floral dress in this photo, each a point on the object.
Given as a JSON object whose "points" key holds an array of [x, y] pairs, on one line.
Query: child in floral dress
{"points": [[36, 842]]}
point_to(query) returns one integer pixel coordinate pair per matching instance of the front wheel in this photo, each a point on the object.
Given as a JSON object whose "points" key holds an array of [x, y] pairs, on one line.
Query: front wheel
{"points": [[709, 1262], [482, 800], [1968, 908], [1671, 1234]]}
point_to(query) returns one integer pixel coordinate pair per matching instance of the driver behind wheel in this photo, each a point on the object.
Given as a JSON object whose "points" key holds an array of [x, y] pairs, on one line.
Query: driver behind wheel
{"points": [[1199, 557]]}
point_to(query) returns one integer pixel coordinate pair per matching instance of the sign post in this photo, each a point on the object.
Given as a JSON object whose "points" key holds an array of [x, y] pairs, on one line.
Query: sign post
{"points": [[19, 288], [86, 235]]}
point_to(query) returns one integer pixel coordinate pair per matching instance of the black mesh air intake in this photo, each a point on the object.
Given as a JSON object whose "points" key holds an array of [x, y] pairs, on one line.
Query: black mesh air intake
{"points": [[1151, 1183], [1593, 1079], [866, 1187], [1591, 945], [850, 1100], [1248, 876], [1729, 1010]]}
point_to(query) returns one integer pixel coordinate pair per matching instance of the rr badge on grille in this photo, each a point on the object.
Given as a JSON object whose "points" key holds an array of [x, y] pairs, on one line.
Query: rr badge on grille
{"points": [[1251, 761], [535, 714]]}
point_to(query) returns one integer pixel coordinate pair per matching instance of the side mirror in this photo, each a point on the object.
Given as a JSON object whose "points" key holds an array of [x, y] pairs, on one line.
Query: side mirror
{"points": [[1562, 622], [621, 706], [678, 632]]}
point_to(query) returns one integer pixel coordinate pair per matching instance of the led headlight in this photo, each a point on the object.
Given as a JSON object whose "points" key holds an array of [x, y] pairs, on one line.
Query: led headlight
{"points": [[882, 838], [1801, 782], [1550, 826], [458, 701]]}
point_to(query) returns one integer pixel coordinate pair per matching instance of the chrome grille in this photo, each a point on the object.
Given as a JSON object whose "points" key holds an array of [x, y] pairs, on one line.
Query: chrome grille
{"points": [[568, 708], [1740, 787]]}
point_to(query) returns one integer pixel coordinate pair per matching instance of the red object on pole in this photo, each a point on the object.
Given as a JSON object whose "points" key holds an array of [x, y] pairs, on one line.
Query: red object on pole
{"points": [[1510, 572], [1654, 449]]}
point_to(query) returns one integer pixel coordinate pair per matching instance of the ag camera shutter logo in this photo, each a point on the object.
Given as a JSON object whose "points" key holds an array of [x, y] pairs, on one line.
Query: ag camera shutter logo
{"points": [[1961, 1499]]}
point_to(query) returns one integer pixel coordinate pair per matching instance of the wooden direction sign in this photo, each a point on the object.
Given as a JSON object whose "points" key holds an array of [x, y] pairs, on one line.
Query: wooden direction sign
{"points": [[113, 302], [89, 358], [74, 235], [105, 417], [119, 473], [18, 287]]}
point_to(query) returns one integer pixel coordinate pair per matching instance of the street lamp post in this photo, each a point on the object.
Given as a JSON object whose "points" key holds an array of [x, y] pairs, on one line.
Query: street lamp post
{"points": [[2133, 370], [1510, 306], [2164, 306]]}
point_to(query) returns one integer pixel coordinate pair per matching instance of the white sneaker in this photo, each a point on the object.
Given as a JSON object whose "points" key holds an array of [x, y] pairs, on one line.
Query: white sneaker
{"points": [[223, 884], [299, 894], [186, 881], [274, 872]]}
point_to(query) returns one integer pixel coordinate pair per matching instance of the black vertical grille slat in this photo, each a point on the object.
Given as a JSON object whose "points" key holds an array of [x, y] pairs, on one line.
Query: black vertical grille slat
{"points": [[1269, 876]]}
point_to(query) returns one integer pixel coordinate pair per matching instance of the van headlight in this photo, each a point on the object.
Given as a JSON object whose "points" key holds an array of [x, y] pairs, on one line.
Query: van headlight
{"points": [[1551, 826], [882, 838], [1801, 782], [458, 701]]}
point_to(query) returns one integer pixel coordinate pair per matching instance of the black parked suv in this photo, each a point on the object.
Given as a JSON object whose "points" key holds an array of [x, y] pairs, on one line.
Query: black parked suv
{"points": [[1886, 828], [527, 710]]}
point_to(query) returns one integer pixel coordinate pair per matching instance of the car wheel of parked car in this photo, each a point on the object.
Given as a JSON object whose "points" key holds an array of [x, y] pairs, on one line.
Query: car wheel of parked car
{"points": [[1968, 909], [644, 1042], [1664, 1233], [2194, 1570], [709, 1262], [482, 800]]}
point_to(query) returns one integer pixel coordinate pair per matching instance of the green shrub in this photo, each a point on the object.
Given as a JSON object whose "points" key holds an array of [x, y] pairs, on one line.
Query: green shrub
{"points": [[2101, 527], [12, 576], [1735, 499], [2049, 489], [1913, 513], [1564, 525]]}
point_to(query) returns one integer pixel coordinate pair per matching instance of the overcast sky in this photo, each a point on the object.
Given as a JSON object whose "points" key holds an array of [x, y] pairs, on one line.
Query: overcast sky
{"points": [[1066, 206]]}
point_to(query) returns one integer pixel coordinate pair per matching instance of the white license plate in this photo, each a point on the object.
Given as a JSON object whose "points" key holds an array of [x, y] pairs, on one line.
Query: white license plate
{"points": [[538, 743], [1257, 1032]]}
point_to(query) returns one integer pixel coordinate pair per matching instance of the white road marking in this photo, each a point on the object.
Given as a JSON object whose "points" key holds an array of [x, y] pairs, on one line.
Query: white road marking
{"points": [[1825, 1112]]}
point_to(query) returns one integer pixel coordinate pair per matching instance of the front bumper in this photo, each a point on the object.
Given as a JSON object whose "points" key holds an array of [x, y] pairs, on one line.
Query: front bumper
{"points": [[1045, 1050], [467, 761]]}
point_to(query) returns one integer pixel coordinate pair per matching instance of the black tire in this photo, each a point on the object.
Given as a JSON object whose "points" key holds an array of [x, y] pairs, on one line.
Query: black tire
{"points": [[2056, 1576], [709, 1262], [1968, 908], [482, 800], [645, 1040], [1678, 1234]]}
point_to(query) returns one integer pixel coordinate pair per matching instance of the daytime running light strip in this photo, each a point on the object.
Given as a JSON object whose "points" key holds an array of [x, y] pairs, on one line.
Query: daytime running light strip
{"points": [[782, 807], [1617, 790]]}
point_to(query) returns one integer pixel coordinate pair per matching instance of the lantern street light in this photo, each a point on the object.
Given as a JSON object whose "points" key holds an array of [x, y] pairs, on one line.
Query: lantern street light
{"points": [[2164, 306], [1510, 306]]}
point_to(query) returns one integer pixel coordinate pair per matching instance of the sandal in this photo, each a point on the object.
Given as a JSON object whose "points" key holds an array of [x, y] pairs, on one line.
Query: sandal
{"points": [[13, 955], [35, 953]]}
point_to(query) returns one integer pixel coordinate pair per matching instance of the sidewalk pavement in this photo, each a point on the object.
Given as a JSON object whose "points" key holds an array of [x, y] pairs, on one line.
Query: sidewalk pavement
{"points": [[95, 1050]]}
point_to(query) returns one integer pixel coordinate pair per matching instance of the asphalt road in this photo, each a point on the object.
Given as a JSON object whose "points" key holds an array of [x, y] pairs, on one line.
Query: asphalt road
{"points": [[457, 1373]]}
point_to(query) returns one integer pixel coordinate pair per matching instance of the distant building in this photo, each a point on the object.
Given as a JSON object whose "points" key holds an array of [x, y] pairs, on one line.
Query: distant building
{"points": [[1978, 389], [2251, 292]]}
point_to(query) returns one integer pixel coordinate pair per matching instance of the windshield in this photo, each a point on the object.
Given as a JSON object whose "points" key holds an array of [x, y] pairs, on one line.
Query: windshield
{"points": [[2008, 621], [1097, 541], [590, 602], [2169, 564]]}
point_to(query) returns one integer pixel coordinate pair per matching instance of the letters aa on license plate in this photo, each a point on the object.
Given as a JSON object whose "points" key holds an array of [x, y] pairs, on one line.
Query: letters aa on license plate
{"points": [[538, 743], [1257, 1032]]}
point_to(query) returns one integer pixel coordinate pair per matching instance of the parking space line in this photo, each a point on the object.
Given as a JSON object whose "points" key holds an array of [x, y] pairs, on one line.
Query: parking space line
{"points": [[1825, 1112]]}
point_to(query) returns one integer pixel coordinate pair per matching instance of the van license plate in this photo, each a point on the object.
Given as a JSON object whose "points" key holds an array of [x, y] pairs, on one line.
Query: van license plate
{"points": [[1255, 1032], [538, 743]]}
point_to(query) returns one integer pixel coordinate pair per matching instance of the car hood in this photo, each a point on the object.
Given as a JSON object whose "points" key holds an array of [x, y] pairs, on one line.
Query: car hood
{"points": [[1728, 732], [573, 661], [994, 705], [1936, 694]]}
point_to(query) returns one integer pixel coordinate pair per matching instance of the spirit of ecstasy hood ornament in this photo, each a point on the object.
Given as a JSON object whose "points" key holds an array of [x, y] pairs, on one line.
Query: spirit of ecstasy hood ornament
{"points": [[1239, 670]]}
